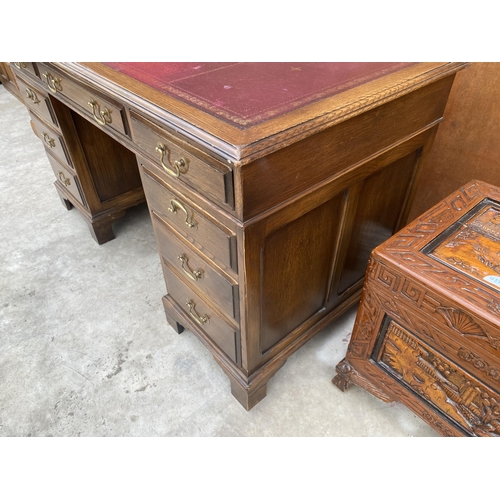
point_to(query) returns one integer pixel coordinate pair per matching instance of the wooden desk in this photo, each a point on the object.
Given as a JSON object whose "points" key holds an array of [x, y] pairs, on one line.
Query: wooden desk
{"points": [[268, 184]]}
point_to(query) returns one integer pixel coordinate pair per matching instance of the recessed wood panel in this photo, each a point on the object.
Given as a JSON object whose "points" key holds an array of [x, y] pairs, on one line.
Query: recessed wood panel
{"points": [[295, 270], [113, 167], [379, 207]]}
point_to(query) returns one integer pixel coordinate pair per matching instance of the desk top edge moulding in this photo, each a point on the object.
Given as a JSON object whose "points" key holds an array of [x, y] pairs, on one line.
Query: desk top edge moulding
{"points": [[242, 135], [268, 184]]}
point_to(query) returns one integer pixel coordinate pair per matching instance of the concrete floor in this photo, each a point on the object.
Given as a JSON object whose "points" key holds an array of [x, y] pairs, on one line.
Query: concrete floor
{"points": [[85, 349]]}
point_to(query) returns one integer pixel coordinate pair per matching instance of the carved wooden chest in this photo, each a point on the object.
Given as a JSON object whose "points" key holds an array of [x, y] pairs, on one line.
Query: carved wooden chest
{"points": [[427, 332]]}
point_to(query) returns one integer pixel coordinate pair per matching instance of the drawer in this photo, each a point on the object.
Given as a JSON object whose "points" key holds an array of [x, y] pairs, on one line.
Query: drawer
{"points": [[51, 139], [100, 111], [66, 178], [440, 382], [6, 71], [26, 67], [201, 275], [202, 314], [37, 101], [177, 161], [215, 243]]}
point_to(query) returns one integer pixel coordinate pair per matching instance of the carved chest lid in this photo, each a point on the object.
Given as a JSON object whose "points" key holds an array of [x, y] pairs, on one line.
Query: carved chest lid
{"points": [[454, 248], [471, 245]]}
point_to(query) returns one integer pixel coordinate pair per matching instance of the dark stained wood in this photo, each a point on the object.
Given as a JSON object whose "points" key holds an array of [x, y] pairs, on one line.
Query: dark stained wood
{"points": [[79, 98], [52, 140], [295, 293], [467, 144], [216, 328], [100, 177], [96, 158], [427, 332], [187, 260], [250, 144], [295, 269], [278, 218], [209, 177], [106, 172], [112, 167], [8, 80], [64, 199], [26, 68], [101, 228], [65, 176], [188, 220], [37, 101], [380, 202], [306, 163]]}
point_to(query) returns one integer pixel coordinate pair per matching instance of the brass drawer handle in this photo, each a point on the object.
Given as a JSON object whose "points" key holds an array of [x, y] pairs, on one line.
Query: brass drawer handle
{"points": [[179, 166], [51, 143], [52, 82], [174, 205], [194, 275], [65, 180], [31, 95], [201, 320], [20, 65], [102, 117]]}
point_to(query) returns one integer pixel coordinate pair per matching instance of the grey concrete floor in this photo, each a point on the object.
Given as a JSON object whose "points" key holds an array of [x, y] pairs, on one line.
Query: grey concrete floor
{"points": [[85, 349]]}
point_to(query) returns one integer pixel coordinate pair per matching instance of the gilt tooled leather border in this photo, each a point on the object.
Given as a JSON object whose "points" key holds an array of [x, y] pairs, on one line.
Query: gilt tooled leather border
{"points": [[269, 106]]}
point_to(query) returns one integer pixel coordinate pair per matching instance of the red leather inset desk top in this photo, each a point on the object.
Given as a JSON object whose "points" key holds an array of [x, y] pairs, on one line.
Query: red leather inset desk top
{"points": [[245, 94]]}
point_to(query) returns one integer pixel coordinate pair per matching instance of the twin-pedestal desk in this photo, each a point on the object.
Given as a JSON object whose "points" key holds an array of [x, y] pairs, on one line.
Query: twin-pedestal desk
{"points": [[268, 184]]}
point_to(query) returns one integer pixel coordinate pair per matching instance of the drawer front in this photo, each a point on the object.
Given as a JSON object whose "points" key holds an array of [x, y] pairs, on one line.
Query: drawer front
{"points": [[444, 385], [37, 101], [200, 274], [52, 141], [100, 111], [202, 314], [6, 72], [26, 67], [177, 161], [211, 240], [66, 179]]}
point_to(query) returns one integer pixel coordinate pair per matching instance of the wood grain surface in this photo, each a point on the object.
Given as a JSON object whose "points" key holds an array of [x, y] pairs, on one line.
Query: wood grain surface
{"points": [[467, 144]]}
